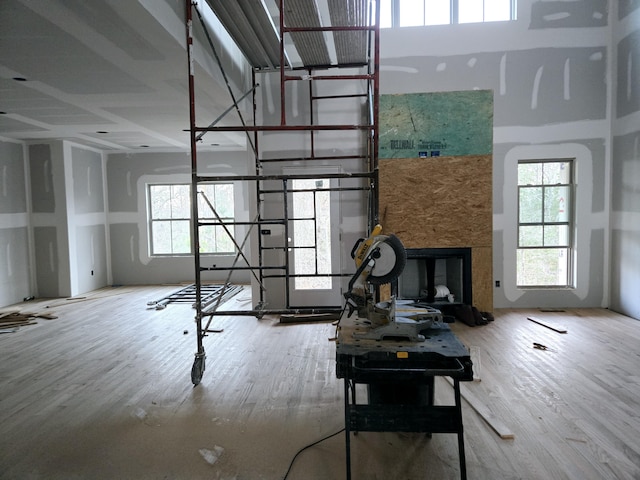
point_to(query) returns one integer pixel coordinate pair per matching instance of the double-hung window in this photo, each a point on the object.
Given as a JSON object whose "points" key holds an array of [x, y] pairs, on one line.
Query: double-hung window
{"points": [[170, 227], [545, 223]]}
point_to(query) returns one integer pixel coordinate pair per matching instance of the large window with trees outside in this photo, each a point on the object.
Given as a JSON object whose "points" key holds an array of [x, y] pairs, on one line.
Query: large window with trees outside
{"points": [[411, 13], [545, 223], [169, 212]]}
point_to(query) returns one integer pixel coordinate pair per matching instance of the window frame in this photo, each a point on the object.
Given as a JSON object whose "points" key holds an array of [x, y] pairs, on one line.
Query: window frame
{"points": [[569, 245], [204, 219], [454, 14]]}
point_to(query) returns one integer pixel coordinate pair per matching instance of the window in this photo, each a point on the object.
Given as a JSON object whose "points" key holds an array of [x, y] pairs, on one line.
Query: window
{"points": [[312, 233], [545, 223], [410, 13], [170, 218]]}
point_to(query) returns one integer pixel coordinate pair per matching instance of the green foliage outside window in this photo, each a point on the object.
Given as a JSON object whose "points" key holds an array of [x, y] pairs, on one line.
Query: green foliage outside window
{"points": [[545, 202], [170, 218]]}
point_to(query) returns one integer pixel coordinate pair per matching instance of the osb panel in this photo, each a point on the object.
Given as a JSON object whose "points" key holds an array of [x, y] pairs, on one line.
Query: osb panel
{"points": [[440, 202], [482, 278], [437, 201]]}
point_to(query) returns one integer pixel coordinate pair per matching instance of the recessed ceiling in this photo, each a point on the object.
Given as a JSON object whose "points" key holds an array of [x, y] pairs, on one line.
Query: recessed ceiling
{"points": [[72, 68], [115, 67]]}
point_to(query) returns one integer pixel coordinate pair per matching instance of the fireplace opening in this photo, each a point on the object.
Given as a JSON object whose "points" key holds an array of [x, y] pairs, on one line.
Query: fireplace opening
{"points": [[436, 276]]}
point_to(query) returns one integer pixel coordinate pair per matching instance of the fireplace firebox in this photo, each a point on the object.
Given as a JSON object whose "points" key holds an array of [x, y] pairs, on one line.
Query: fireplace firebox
{"points": [[436, 276]]}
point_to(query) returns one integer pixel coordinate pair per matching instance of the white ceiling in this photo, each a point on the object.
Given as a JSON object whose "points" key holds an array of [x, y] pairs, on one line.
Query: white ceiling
{"points": [[110, 74]]}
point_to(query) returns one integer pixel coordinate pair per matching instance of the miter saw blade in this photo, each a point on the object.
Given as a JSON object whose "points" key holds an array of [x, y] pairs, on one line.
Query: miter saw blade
{"points": [[390, 258]]}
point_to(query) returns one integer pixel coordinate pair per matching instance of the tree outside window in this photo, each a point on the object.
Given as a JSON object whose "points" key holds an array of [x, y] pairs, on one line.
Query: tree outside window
{"points": [[170, 228], [545, 223]]}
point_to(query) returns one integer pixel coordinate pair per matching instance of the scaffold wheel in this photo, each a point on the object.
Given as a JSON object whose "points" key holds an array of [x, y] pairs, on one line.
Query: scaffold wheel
{"points": [[198, 368]]}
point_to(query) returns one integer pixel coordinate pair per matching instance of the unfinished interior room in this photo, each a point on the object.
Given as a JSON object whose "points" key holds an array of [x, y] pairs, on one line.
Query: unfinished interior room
{"points": [[320, 239]]}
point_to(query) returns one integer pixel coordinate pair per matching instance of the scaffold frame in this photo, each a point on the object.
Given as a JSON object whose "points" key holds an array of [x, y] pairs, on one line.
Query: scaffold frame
{"points": [[364, 180]]}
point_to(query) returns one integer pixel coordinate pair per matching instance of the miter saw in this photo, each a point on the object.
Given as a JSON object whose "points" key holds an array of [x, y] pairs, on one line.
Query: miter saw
{"points": [[380, 259]]}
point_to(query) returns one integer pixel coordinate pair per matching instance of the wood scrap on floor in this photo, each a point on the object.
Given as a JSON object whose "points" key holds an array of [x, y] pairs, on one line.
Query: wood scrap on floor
{"points": [[8, 329], [479, 407], [547, 324], [474, 353], [12, 320], [309, 317]]}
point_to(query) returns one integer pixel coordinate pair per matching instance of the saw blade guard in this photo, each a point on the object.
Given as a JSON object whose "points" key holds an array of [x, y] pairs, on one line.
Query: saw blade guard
{"points": [[380, 259], [389, 259]]}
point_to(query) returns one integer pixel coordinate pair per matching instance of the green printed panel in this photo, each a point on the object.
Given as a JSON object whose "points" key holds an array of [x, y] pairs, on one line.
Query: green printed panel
{"points": [[436, 124]]}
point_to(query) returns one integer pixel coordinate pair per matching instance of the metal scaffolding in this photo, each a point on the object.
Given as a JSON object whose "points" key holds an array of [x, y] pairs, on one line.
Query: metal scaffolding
{"points": [[353, 23]]}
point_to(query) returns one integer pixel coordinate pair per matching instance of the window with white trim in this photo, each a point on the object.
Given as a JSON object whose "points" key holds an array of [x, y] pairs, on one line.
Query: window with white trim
{"points": [[411, 13], [545, 223], [169, 213]]}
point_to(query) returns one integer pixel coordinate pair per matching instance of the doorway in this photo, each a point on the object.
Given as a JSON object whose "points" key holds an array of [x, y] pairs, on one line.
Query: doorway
{"points": [[314, 240]]}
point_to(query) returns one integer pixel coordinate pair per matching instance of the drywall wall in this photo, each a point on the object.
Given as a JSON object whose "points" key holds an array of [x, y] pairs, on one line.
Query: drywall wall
{"points": [[13, 183], [548, 71], [87, 221], [47, 261], [49, 219], [88, 195], [15, 278], [563, 14], [625, 165], [127, 178], [68, 219]]}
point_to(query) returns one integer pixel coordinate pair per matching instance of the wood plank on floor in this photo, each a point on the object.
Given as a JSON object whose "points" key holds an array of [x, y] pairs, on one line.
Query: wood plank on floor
{"points": [[546, 324]]}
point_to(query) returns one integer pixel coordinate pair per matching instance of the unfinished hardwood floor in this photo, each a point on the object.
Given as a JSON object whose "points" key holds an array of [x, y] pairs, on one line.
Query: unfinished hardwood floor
{"points": [[104, 391]]}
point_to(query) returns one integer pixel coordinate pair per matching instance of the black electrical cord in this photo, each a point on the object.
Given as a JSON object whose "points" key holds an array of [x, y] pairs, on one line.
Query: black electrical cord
{"points": [[309, 446]]}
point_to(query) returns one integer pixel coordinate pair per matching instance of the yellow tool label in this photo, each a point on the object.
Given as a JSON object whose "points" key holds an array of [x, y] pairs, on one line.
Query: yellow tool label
{"points": [[402, 354]]}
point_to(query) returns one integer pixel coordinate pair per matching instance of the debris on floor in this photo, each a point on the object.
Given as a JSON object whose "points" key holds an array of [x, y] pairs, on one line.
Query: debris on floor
{"points": [[12, 320], [140, 413], [211, 456]]}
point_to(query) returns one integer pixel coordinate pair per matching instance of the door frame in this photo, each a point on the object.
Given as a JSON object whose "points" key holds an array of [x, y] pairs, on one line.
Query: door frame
{"points": [[315, 297]]}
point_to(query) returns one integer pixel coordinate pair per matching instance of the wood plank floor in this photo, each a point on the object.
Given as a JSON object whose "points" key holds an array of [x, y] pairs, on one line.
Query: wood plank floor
{"points": [[104, 392]]}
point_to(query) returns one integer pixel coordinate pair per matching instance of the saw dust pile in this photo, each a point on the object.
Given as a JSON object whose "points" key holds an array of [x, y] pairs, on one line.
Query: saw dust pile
{"points": [[12, 320]]}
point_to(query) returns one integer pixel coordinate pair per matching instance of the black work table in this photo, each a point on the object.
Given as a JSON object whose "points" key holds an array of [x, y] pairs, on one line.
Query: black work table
{"points": [[399, 375]]}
